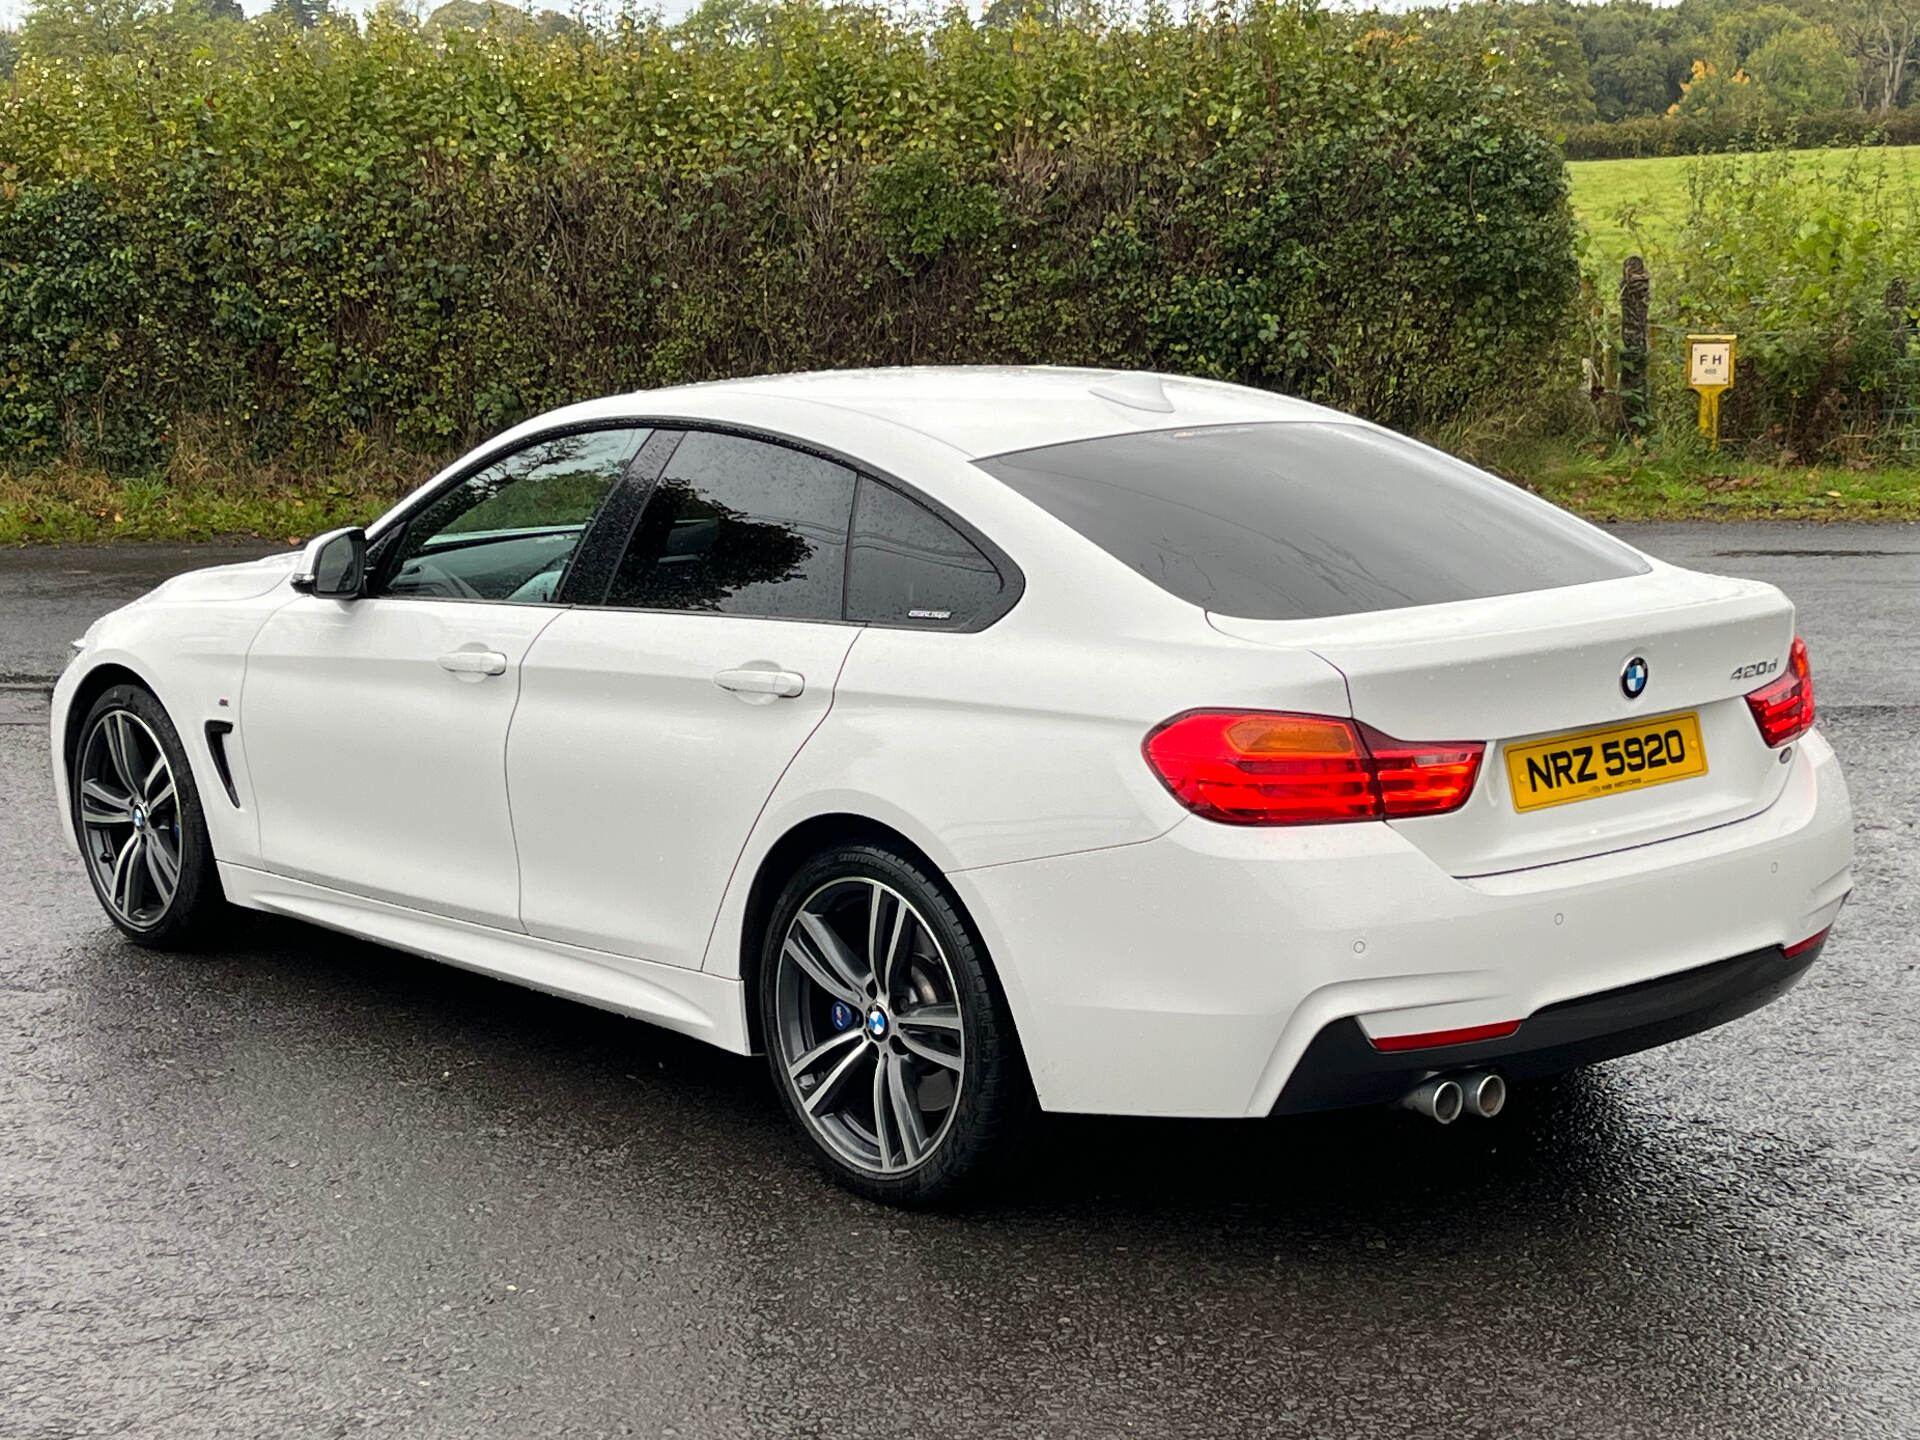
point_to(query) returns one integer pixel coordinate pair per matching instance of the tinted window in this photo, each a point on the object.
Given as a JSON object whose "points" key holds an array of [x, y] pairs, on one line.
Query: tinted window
{"points": [[509, 531], [1292, 521], [741, 527], [912, 568]]}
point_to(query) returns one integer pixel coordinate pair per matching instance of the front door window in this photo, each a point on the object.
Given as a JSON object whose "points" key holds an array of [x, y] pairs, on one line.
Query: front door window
{"points": [[508, 532]]}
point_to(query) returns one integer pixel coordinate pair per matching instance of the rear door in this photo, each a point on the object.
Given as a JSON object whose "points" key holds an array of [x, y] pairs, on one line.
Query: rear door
{"points": [[654, 724]]}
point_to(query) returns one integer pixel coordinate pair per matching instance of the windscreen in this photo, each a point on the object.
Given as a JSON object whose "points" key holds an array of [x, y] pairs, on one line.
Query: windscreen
{"points": [[1300, 520]]}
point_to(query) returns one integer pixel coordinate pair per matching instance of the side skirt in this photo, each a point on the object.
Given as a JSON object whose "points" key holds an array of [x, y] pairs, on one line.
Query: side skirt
{"points": [[707, 1007]]}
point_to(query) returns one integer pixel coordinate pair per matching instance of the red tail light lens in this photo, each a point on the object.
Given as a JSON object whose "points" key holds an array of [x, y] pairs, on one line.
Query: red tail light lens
{"points": [[1784, 709], [1422, 779], [1252, 768]]}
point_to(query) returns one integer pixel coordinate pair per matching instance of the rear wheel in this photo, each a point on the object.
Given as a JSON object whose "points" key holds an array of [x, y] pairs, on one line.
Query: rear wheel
{"points": [[888, 1040], [137, 813]]}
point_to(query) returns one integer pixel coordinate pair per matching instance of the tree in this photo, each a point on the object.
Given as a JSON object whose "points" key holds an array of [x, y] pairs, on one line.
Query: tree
{"points": [[74, 29], [1802, 71], [494, 15], [303, 14], [1885, 37], [1003, 14], [1719, 94], [729, 22], [1638, 56]]}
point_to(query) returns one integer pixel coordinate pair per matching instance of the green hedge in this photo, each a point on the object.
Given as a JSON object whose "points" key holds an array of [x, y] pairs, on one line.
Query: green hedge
{"points": [[1692, 135], [306, 240]]}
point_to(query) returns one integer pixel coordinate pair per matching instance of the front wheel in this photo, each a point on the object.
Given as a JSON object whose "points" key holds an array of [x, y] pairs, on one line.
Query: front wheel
{"points": [[137, 814], [888, 1039]]}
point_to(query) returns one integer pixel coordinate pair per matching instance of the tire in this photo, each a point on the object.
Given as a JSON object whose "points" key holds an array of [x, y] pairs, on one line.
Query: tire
{"points": [[132, 787], [921, 1104]]}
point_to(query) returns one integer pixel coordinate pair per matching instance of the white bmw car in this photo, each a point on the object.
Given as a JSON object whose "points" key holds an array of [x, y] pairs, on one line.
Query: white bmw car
{"points": [[971, 739]]}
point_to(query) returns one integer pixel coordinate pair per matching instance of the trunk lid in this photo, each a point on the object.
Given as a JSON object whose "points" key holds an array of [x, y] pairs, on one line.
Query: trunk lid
{"points": [[1517, 669]]}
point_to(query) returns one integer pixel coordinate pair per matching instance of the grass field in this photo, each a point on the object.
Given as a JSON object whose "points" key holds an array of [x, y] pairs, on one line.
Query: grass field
{"points": [[1610, 196]]}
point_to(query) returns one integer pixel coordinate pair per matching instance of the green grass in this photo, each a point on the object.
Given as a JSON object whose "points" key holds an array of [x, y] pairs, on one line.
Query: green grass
{"points": [[1643, 483], [67, 503], [1614, 197]]}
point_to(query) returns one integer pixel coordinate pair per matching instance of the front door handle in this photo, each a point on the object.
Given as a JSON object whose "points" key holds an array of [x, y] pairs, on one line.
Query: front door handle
{"points": [[784, 683], [474, 662]]}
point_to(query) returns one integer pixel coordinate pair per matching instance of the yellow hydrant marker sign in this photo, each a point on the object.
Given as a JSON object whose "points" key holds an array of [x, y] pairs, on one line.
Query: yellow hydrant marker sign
{"points": [[1710, 375]]}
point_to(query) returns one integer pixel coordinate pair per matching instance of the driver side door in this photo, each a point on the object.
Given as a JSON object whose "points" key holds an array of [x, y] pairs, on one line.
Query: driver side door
{"points": [[375, 728]]}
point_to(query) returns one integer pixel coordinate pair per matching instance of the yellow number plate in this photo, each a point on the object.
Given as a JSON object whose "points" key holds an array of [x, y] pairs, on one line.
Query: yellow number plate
{"points": [[1605, 762]]}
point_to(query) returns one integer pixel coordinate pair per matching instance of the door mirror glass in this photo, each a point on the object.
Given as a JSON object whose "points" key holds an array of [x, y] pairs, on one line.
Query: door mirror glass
{"points": [[334, 565]]}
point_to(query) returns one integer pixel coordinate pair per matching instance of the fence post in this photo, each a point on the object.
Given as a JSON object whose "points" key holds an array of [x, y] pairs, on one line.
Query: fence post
{"points": [[1636, 307]]}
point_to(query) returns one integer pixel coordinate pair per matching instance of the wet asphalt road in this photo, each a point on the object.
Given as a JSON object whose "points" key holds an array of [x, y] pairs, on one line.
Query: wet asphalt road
{"points": [[307, 1186]]}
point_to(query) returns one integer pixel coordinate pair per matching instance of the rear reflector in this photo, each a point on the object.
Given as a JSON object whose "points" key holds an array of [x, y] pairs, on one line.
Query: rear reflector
{"points": [[1784, 709], [1245, 767], [1805, 945], [1446, 1037]]}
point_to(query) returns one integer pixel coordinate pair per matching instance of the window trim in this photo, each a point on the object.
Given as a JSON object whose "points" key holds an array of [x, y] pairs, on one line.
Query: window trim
{"points": [[387, 530], [1013, 580]]}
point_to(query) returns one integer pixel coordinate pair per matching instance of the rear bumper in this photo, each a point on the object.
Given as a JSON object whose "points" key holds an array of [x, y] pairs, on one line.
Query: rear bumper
{"points": [[1341, 1067], [1191, 975]]}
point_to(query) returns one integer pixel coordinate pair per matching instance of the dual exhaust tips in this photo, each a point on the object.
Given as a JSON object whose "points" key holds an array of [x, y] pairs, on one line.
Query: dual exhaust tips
{"points": [[1445, 1098]]}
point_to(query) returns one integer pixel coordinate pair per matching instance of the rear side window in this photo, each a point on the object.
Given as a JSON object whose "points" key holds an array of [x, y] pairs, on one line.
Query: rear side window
{"points": [[910, 567], [1303, 520], [740, 527]]}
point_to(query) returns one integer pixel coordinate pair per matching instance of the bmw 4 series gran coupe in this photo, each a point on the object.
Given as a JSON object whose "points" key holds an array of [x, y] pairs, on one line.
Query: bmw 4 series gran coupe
{"points": [[976, 740]]}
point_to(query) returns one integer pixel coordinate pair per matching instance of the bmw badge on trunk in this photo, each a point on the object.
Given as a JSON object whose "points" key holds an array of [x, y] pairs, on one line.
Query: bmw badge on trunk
{"points": [[1633, 678]]}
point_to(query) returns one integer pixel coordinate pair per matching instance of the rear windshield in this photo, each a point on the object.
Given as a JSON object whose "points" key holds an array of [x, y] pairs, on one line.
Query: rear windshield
{"points": [[1298, 520]]}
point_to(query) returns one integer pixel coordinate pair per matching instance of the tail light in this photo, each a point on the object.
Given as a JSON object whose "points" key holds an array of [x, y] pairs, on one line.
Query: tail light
{"points": [[1252, 768], [1784, 709]]}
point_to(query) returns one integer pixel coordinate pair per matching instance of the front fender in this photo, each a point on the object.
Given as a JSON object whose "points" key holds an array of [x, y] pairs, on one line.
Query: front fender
{"points": [[192, 656]]}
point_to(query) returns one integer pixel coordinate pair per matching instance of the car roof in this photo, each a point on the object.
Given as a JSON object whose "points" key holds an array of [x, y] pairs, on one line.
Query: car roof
{"points": [[979, 410]]}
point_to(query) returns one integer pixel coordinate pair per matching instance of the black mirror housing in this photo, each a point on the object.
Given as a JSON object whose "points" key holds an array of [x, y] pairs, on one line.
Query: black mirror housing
{"points": [[334, 565]]}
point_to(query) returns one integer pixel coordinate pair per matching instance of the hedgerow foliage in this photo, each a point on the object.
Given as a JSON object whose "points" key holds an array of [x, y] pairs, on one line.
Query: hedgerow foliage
{"points": [[308, 239], [1651, 135], [1812, 270]]}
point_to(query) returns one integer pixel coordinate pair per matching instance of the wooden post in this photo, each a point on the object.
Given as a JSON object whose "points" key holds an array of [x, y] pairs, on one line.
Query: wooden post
{"points": [[1636, 307]]}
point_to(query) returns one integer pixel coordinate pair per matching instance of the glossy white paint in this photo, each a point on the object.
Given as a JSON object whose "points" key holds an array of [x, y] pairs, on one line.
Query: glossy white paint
{"points": [[376, 768], [636, 778], [591, 819], [1214, 954], [1520, 667]]}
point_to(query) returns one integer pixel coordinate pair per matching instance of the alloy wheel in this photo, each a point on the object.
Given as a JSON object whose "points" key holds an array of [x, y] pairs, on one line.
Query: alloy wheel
{"points": [[871, 1036], [129, 818]]}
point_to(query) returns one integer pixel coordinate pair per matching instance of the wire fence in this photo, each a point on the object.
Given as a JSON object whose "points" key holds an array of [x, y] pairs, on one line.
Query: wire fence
{"points": [[1876, 414]]}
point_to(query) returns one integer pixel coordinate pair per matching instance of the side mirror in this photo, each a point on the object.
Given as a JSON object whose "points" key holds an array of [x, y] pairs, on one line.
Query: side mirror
{"points": [[334, 565]]}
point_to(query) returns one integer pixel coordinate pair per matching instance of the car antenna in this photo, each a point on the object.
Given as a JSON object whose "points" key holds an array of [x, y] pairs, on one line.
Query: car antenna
{"points": [[1136, 392]]}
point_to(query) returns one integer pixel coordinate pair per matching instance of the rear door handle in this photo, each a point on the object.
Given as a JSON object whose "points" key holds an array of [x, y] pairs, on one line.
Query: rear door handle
{"points": [[784, 683], [474, 662]]}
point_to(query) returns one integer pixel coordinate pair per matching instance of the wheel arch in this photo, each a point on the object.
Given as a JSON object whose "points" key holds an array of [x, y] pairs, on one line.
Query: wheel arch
{"points": [[95, 683], [786, 855]]}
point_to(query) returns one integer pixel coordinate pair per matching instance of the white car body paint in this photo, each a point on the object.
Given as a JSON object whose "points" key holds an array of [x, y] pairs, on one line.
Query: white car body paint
{"points": [[590, 821]]}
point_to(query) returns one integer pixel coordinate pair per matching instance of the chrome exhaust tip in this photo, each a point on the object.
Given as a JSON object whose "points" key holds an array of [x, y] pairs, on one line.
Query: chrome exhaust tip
{"points": [[1484, 1093], [1439, 1099]]}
